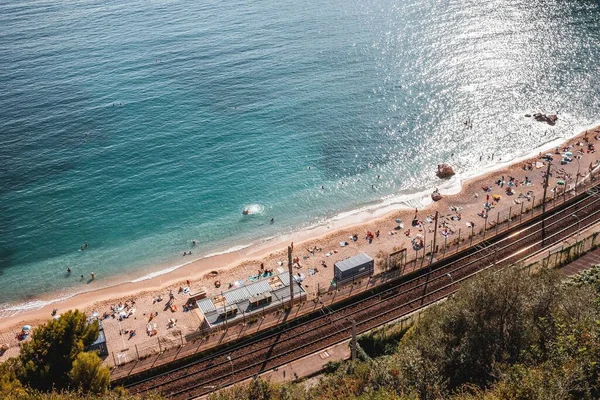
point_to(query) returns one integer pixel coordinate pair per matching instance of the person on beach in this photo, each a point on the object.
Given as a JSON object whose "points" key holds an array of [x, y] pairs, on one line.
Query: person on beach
{"points": [[92, 275]]}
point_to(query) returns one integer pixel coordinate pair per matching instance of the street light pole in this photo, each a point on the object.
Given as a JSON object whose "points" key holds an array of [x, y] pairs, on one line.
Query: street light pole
{"points": [[434, 237], [546, 180], [577, 176]]}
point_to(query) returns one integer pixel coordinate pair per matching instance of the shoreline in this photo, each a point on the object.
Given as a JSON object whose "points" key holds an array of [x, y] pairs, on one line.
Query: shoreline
{"points": [[240, 255]]}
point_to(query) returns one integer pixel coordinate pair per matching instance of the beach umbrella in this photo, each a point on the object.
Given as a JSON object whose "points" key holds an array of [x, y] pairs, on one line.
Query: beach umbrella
{"points": [[569, 154], [560, 182], [417, 242], [26, 328], [398, 220], [496, 197]]}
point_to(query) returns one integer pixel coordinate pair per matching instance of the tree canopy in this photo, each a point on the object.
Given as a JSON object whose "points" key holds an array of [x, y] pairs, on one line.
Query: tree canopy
{"points": [[48, 357], [504, 335]]}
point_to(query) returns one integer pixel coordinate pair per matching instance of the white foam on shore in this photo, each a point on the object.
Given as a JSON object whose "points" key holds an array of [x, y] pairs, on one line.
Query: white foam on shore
{"points": [[158, 273], [175, 267], [452, 186], [11, 310]]}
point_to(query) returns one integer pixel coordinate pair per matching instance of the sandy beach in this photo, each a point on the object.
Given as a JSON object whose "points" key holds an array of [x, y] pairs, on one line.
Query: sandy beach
{"points": [[319, 248]]}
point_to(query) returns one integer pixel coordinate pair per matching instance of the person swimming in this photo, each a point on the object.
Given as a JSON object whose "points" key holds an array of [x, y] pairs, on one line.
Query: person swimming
{"points": [[245, 211]]}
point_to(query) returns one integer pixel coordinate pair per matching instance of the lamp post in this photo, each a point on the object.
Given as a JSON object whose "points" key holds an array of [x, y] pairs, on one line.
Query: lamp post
{"points": [[546, 180], [577, 176]]}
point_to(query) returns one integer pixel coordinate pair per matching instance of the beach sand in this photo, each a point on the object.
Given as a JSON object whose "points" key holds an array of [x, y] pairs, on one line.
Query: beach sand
{"points": [[242, 264]]}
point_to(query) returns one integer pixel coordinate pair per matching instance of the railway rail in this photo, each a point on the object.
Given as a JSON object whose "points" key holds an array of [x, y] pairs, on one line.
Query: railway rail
{"points": [[382, 304]]}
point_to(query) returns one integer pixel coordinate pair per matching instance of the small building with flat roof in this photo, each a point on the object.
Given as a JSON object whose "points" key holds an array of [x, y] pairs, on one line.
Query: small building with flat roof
{"points": [[237, 304], [354, 267]]}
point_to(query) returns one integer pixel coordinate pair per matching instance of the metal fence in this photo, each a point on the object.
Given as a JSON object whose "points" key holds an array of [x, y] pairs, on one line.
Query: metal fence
{"points": [[565, 254], [162, 350]]}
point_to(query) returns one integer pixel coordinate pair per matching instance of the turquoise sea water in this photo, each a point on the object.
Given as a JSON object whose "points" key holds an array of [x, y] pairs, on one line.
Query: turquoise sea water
{"points": [[138, 126]]}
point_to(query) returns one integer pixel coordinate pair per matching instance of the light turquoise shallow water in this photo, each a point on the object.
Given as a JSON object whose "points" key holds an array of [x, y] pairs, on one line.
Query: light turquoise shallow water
{"points": [[137, 126]]}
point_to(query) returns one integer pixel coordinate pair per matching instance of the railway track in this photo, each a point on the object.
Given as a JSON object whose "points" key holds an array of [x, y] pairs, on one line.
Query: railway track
{"points": [[391, 301]]}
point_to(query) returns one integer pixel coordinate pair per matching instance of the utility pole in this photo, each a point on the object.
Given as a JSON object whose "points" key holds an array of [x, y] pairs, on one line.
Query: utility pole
{"points": [[546, 180], [291, 277], [434, 237]]}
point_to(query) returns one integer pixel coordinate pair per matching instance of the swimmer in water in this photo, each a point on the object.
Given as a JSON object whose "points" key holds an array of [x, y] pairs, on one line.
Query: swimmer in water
{"points": [[68, 270], [272, 220]]}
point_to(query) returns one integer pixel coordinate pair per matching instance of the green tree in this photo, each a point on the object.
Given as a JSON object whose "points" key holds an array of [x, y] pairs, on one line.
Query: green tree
{"points": [[88, 375], [48, 357], [10, 386]]}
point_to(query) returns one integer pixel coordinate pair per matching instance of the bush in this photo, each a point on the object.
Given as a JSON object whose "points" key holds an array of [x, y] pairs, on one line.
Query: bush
{"points": [[88, 375], [48, 357]]}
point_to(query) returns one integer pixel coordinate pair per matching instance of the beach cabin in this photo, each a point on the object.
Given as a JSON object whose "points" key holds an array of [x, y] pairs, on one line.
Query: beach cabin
{"points": [[354, 267]]}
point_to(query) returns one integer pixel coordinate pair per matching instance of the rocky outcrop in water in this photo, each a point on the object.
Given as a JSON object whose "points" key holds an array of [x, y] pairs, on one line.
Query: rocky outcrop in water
{"points": [[445, 171], [550, 119]]}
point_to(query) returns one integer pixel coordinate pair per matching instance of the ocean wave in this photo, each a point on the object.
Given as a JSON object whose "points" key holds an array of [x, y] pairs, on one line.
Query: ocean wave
{"points": [[254, 209], [11, 310], [229, 250], [158, 273], [175, 267]]}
